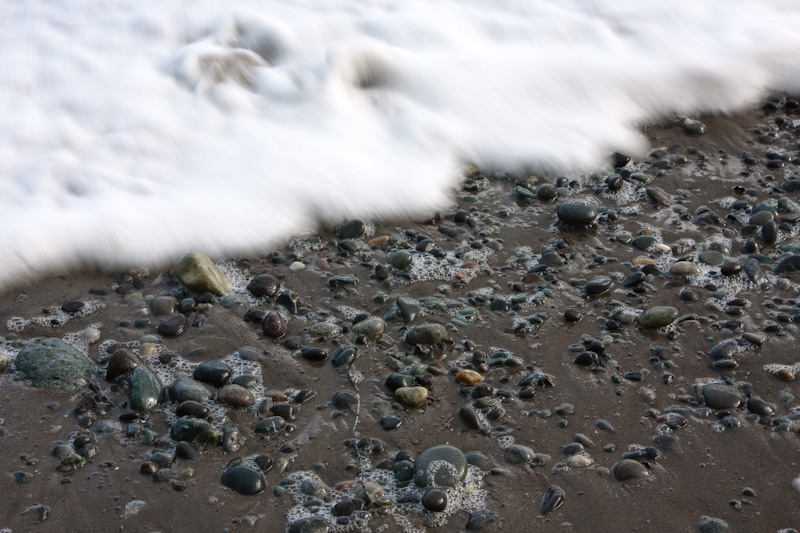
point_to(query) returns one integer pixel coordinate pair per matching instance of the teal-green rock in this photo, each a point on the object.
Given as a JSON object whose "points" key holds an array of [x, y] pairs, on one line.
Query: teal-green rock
{"points": [[145, 389], [401, 259], [443, 476], [198, 273], [195, 430], [658, 317], [344, 356], [52, 363], [371, 327], [351, 229]]}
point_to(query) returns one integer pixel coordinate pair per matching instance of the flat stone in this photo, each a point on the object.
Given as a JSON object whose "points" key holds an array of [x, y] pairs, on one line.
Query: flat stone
{"points": [[685, 269], [214, 373], [598, 285], [183, 389], [173, 326], [264, 285], [194, 430], [52, 363], [628, 469], [712, 257], [722, 396], [198, 273], [577, 212], [518, 454]]}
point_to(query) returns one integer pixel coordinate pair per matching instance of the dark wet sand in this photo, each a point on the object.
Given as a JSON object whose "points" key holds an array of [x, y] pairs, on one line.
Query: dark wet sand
{"points": [[699, 476]]}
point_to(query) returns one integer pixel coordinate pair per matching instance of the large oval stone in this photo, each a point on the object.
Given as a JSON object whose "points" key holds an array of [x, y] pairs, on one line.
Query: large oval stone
{"points": [[371, 327], [192, 429], [722, 396], [425, 334], [577, 212], [658, 317], [236, 396], [198, 273], [183, 389], [120, 363], [443, 477], [145, 389], [215, 373], [244, 480], [52, 363]]}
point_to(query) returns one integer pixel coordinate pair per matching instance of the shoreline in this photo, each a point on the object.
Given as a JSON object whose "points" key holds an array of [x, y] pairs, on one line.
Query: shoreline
{"points": [[698, 474]]}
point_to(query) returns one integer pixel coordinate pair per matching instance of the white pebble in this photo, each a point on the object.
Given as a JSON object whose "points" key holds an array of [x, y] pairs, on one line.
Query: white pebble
{"points": [[796, 484], [91, 335], [297, 265]]}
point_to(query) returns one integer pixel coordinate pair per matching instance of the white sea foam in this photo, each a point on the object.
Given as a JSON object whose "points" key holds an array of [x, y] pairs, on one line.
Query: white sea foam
{"points": [[134, 131]]}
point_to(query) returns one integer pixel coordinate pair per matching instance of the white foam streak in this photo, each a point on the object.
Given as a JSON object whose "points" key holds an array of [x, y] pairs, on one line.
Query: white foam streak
{"points": [[135, 131]]}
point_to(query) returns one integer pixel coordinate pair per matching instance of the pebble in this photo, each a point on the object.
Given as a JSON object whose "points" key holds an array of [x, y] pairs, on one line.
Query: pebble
{"points": [[412, 396], [401, 260], [52, 363], [628, 469], [215, 373], [244, 480], [443, 477], [120, 363], [264, 285], [552, 499], [270, 425], [658, 317], [198, 273], [577, 212], [435, 500], [183, 389], [426, 334], [721, 396], [685, 269], [194, 430], [468, 377], [163, 305], [712, 525], [274, 325], [344, 399], [145, 389], [598, 285], [389, 422], [518, 454], [371, 327], [173, 326], [236, 396]]}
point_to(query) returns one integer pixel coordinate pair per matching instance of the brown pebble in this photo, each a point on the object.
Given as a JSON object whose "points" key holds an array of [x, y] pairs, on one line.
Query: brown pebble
{"points": [[322, 263], [730, 268], [120, 363], [236, 396], [642, 260], [785, 374], [377, 241], [468, 377], [274, 325]]}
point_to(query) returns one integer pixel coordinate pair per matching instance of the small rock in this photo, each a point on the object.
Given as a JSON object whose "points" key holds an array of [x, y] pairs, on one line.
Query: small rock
{"points": [[198, 273]]}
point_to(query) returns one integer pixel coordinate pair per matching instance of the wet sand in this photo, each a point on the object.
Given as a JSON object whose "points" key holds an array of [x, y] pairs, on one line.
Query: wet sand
{"points": [[700, 474]]}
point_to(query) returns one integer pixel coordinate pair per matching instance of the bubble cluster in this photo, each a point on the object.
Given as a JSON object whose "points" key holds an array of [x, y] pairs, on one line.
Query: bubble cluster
{"points": [[785, 372], [54, 317]]}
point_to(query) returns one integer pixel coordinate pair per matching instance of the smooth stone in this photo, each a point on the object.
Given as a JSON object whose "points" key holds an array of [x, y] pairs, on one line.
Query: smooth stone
{"points": [[769, 232], [552, 499], [443, 477], [145, 389], [323, 331], [426, 334], [184, 450], [244, 480], [163, 305], [643, 242], [344, 355], [192, 408], [469, 418], [120, 363], [712, 257], [342, 280], [215, 373], [289, 300], [468, 377], [760, 407], [409, 308], [183, 389], [404, 470], [412, 396], [598, 285], [264, 462], [286, 411], [628, 469], [724, 350], [73, 306], [195, 430], [371, 327], [787, 264], [546, 192], [310, 524], [401, 259], [199, 274], [247, 381], [693, 127], [351, 229], [52, 363], [395, 380], [236, 396], [658, 317], [264, 285], [271, 425], [389, 422], [173, 326], [760, 217], [721, 396], [685, 269], [518, 454], [435, 500], [274, 325], [577, 212], [709, 524], [659, 195], [312, 353], [344, 399]]}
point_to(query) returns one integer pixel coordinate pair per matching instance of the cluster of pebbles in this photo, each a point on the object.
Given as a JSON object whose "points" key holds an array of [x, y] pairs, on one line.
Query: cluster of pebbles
{"points": [[439, 358]]}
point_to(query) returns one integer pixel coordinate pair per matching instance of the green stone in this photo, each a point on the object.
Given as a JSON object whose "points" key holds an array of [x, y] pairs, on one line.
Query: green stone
{"points": [[371, 327], [52, 363], [145, 389], [401, 259], [658, 317], [198, 273]]}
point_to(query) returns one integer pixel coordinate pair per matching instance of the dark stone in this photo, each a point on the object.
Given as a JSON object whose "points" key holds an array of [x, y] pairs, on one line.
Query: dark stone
{"points": [[435, 500], [52, 363], [552, 499], [173, 326], [244, 480], [263, 285], [215, 373], [577, 212], [120, 363], [145, 389], [72, 307]]}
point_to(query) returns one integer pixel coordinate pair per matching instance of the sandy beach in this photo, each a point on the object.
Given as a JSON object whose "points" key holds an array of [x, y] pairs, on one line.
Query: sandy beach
{"points": [[550, 317]]}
